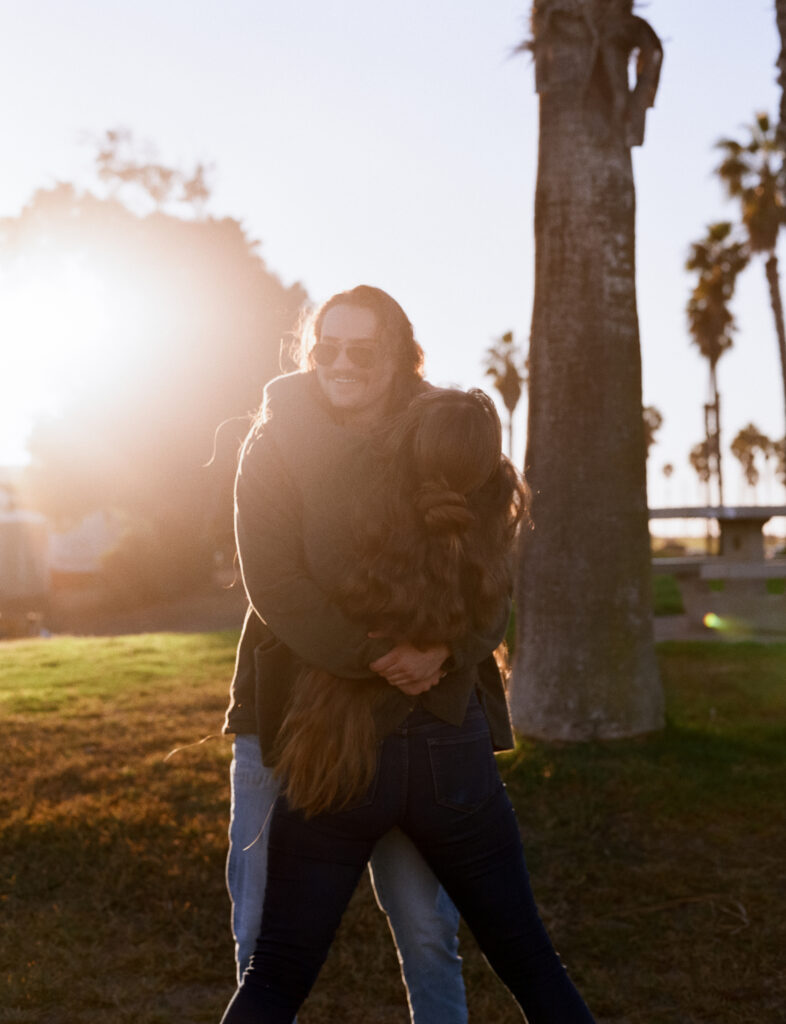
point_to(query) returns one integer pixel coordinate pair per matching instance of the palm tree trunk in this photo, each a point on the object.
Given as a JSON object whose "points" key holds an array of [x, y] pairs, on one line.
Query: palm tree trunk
{"points": [[773, 280], [716, 430], [510, 436], [780, 17], [585, 665]]}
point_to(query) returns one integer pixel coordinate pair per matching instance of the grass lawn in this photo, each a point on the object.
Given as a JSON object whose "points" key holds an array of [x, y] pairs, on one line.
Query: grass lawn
{"points": [[658, 863]]}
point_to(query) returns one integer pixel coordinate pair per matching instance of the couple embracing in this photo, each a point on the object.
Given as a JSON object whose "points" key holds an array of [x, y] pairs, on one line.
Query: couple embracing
{"points": [[375, 519]]}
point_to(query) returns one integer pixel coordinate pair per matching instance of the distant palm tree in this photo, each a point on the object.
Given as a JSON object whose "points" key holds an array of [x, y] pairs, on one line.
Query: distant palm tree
{"points": [[753, 173], [699, 458], [653, 421], [508, 372], [718, 259], [748, 443], [668, 473], [780, 456]]}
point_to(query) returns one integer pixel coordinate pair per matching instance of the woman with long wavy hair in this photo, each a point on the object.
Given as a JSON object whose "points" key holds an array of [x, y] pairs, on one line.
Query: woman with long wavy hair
{"points": [[433, 536], [433, 565]]}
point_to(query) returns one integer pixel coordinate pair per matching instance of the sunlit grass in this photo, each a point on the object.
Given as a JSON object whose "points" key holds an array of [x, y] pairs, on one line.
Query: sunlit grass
{"points": [[656, 862]]}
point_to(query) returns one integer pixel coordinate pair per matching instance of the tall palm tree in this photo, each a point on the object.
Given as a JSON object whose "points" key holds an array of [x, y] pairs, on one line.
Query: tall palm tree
{"points": [[585, 665], [780, 18], [717, 259], [753, 173], [509, 375]]}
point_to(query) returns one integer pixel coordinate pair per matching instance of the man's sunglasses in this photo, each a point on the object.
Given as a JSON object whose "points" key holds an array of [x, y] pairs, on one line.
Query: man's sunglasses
{"points": [[325, 353]]}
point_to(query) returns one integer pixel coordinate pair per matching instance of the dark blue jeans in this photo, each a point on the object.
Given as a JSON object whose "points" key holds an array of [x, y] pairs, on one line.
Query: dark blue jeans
{"points": [[440, 784]]}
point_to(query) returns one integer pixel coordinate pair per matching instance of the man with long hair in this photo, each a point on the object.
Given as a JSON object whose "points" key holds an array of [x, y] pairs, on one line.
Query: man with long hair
{"points": [[419, 547], [365, 366]]}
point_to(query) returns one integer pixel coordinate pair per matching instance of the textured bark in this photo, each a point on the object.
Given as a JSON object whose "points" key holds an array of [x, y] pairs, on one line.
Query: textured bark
{"points": [[585, 665]]}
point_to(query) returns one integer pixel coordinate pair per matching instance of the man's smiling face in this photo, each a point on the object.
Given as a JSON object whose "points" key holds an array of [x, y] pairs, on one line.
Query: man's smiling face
{"points": [[360, 392]]}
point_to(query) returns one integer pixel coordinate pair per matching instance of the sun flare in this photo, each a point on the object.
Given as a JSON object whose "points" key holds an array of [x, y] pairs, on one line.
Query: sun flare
{"points": [[59, 330]]}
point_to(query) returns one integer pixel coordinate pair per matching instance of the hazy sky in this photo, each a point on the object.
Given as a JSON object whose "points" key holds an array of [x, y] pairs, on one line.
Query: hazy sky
{"points": [[395, 144]]}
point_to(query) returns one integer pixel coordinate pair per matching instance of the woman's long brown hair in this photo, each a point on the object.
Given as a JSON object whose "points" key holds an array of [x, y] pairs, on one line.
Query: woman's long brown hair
{"points": [[434, 552]]}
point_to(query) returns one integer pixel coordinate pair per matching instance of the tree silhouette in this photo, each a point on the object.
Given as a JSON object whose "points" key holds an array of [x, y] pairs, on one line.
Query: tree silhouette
{"points": [[653, 421], [194, 335], [717, 259], [753, 174], [508, 371], [779, 448], [585, 665], [749, 443], [668, 472], [118, 163], [699, 457]]}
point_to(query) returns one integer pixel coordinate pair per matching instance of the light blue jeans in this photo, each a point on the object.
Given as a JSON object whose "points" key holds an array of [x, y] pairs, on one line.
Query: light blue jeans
{"points": [[421, 917]]}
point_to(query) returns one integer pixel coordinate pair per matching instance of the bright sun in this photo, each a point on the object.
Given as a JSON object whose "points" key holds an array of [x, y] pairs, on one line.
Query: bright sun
{"points": [[55, 331]]}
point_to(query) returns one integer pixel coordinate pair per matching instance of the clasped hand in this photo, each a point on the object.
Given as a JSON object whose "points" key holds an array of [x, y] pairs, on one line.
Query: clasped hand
{"points": [[411, 669]]}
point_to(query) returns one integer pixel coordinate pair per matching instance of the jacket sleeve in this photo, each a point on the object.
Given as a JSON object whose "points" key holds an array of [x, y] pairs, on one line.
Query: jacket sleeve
{"points": [[476, 646], [268, 518]]}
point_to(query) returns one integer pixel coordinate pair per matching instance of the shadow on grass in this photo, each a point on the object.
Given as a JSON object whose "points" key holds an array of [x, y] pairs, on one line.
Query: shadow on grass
{"points": [[656, 862]]}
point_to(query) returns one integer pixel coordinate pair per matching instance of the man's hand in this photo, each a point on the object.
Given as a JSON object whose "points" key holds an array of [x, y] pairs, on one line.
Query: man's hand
{"points": [[410, 669]]}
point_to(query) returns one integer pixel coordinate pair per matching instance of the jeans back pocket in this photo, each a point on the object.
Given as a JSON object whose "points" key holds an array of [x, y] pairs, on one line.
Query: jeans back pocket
{"points": [[463, 770]]}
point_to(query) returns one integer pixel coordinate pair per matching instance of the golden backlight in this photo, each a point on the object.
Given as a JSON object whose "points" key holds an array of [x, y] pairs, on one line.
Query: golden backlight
{"points": [[68, 326], [139, 332]]}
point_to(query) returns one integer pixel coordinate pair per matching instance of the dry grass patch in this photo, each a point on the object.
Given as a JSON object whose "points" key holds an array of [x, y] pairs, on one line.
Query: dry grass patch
{"points": [[657, 863]]}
